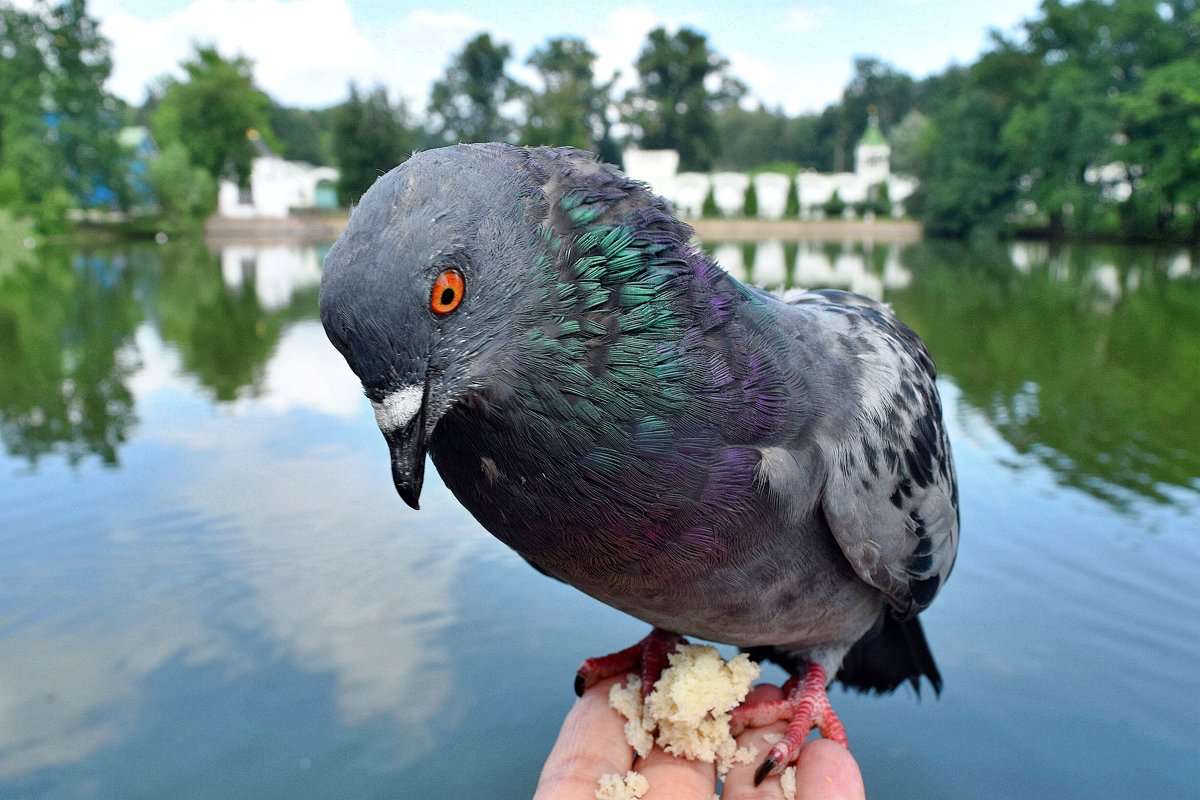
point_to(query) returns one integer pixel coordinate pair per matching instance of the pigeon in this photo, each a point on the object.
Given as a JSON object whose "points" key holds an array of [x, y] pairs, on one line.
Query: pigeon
{"points": [[767, 471]]}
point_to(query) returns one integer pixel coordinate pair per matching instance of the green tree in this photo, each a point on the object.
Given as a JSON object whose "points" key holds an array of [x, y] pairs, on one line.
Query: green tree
{"points": [[22, 65], [1162, 124], [1061, 122], [875, 87], [801, 144], [911, 142], [571, 108], [792, 208], [879, 200], [86, 120], [300, 134], [58, 126], [370, 136], [1088, 84], [184, 192], [467, 103], [750, 138], [682, 86], [211, 113], [969, 183]]}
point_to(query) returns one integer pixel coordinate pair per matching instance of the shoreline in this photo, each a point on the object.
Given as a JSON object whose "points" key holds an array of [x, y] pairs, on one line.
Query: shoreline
{"points": [[317, 227], [885, 230]]}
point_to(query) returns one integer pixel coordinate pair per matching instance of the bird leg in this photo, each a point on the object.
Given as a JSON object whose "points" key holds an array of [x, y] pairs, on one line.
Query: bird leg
{"points": [[648, 657], [805, 706]]}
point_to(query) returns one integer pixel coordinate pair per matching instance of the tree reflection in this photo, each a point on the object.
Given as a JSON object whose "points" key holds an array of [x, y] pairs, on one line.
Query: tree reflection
{"points": [[1086, 359], [224, 336], [66, 325]]}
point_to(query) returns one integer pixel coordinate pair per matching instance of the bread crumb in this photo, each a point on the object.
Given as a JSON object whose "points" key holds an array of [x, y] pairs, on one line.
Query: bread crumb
{"points": [[627, 700], [615, 787], [787, 782], [772, 738], [689, 707]]}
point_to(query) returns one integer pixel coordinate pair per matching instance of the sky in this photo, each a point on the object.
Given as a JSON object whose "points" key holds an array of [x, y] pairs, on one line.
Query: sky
{"points": [[794, 55]]}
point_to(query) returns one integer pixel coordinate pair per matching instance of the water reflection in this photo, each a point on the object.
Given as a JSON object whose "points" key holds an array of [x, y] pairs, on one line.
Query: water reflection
{"points": [[340, 592], [258, 542], [66, 321], [247, 575], [274, 273], [1086, 360], [69, 690], [870, 269]]}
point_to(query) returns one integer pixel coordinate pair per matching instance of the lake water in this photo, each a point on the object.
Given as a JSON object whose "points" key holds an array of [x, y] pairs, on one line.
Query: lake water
{"points": [[209, 587]]}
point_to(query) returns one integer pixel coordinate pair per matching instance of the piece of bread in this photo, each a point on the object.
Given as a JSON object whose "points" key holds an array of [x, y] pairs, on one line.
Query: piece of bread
{"points": [[687, 714], [614, 786]]}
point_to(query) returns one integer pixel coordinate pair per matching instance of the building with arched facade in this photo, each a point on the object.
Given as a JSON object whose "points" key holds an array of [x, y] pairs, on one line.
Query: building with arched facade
{"points": [[276, 187], [871, 182]]}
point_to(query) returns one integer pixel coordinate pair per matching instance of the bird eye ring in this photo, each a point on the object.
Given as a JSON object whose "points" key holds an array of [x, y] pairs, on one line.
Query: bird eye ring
{"points": [[449, 288]]}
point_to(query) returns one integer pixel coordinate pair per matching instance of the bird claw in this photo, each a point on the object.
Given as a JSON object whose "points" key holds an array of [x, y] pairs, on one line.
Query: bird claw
{"points": [[764, 769], [648, 658], [806, 706]]}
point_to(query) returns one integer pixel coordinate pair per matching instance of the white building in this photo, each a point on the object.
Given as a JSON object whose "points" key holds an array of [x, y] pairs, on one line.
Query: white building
{"points": [[687, 191], [277, 187], [872, 171]]}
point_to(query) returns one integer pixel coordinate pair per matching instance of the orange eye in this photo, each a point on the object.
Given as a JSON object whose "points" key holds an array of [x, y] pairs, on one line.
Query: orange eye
{"points": [[448, 291]]}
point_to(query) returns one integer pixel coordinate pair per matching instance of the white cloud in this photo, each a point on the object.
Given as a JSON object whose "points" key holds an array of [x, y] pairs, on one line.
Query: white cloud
{"points": [[805, 19], [331, 581], [307, 372], [619, 41], [305, 52], [759, 76], [63, 688], [415, 50], [299, 47]]}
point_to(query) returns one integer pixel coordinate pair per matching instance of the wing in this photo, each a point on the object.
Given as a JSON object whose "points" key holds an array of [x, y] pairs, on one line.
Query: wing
{"points": [[891, 496]]}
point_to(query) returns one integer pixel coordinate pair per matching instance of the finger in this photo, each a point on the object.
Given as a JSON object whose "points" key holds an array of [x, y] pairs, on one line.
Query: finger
{"points": [[674, 778], [590, 744], [739, 783], [827, 771]]}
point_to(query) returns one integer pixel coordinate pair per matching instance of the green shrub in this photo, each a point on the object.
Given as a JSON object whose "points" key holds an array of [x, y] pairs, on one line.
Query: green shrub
{"points": [[750, 205], [835, 206]]}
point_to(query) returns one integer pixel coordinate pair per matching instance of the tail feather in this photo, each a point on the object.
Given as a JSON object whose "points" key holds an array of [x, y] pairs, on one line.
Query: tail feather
{"points": [[882, 660]]}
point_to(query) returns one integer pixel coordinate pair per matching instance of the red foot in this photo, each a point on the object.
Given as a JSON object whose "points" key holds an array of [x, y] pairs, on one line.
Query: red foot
{"points": [[648, 657], [806, 706]]}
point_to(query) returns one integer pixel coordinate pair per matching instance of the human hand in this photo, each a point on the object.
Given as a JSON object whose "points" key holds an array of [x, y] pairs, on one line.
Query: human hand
{"points": [[592, 743]]}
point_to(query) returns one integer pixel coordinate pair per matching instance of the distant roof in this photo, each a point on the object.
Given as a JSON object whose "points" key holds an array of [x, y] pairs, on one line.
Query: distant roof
{"points": [[873, 135], [260, 146]]}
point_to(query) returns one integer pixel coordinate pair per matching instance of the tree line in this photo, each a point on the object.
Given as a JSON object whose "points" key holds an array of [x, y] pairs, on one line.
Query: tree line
{"points": [[1083, 123]]}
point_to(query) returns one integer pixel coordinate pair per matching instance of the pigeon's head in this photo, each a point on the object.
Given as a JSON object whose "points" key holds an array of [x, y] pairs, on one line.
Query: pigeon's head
{"points": [[425, 286]]}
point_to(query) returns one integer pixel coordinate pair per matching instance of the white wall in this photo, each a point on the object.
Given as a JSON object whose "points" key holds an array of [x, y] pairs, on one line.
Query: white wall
{"points": [[729, 192], [276, 187], [772, 190]]}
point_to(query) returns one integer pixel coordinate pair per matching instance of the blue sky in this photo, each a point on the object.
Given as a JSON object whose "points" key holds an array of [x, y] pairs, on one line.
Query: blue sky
{"points": [[797, 55]]}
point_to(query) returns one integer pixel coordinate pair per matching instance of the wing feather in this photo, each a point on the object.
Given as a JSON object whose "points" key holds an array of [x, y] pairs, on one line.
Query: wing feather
{"points": [[891, 492]]}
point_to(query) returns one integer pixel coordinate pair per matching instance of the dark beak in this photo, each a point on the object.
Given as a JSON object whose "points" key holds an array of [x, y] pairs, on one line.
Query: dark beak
{"points": [[407, 446]]}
